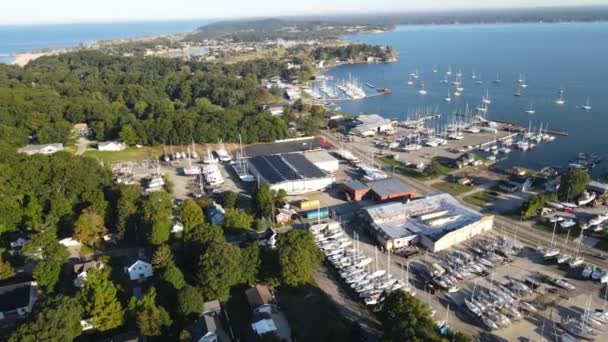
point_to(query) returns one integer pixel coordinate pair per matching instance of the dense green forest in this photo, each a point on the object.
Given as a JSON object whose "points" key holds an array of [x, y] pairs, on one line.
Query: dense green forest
{"points": [[162, 100], [263, 29], [354, 52]]}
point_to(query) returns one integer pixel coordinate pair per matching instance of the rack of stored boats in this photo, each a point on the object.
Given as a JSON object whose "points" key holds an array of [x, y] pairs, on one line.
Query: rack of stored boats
{"points": [[357, 270]]}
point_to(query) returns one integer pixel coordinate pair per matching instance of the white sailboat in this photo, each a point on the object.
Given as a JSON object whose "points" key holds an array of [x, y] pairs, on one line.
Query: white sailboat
{"points": [[448, 98], [518, 91], [410, 81], [551, 252], [577, 260], [531, 110], [422, 91], [560, 100], [497, 80], [486, 98], [587, 105]]}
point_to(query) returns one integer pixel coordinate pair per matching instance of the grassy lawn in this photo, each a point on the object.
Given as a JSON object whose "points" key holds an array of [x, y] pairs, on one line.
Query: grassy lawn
{"points": [[412, 172], [482, 198], [453, 189], [130, 154], [312, 316]]}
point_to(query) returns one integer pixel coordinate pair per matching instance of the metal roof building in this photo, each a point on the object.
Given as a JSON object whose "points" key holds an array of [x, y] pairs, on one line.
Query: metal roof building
{"points": [[437, 222], [370, 124], [292, 172]]}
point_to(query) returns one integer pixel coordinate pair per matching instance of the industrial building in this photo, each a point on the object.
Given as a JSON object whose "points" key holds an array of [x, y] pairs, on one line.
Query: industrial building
{"points": [[323, 160], [380, 190], [292, 172], [370, 124], [436, 222]]}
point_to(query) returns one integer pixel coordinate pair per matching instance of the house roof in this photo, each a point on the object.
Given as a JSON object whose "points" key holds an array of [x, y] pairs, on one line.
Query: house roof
{"points": [[138, 261], [356, 185], [40, 147], [389, 186], [258, 295], [212, 306], [85, 266], [15, 296], [320, 156]]}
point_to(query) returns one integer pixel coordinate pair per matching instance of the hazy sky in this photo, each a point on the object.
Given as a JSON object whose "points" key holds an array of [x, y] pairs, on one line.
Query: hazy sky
{"points": [[49, 11]]}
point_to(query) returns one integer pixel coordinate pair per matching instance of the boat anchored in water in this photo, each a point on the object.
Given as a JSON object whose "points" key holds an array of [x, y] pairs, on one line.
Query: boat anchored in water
{"points": [[560, 100], [587, 105]]}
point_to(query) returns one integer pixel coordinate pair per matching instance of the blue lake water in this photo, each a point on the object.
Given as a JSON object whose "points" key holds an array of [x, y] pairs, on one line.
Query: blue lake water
{"points": [[573, 56], [14, 39]]}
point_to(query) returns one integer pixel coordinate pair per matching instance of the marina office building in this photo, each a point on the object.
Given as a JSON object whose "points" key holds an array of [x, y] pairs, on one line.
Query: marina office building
{"points": [[436, 222]]}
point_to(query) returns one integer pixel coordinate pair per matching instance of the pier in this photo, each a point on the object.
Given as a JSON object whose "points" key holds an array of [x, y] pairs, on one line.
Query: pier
{"points": [[347, 99], [560, 133]]}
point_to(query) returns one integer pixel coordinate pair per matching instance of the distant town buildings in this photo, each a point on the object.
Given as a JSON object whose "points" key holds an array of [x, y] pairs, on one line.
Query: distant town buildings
{"points": [[41, 149]]}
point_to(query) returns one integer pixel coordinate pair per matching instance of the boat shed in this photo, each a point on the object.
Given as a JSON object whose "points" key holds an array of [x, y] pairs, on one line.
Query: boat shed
{"points": [[292, 172], [436, 222], [390, 188], [355, 189], [323, 160], [370, 124]]}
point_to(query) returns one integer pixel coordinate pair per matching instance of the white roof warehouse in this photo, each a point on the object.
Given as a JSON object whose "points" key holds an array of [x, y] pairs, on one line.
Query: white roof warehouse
{"points": [[436, 222]]}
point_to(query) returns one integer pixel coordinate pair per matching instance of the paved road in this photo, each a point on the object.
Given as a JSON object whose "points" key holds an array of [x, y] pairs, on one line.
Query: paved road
{"points": [[524, 231], [82, 145]]}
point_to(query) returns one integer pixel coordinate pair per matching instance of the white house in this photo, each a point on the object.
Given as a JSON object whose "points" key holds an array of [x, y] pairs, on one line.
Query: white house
{"points": [[177, 227], [111, 146], [40, 149], [139, 270]]}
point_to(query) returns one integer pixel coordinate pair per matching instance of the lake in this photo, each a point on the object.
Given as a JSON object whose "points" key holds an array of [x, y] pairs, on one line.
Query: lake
{"points": [[572, 56]]}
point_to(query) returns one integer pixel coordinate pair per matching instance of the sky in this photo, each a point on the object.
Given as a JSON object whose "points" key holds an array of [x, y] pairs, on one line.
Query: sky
{"points": [[72, 11]]}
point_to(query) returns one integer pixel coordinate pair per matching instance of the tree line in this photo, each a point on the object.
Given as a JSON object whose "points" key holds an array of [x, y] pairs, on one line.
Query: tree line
{"points": [[161, 100]]}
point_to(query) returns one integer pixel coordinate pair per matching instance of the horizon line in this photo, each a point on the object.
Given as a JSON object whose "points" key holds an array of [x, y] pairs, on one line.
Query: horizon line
{"points": [[302, 16]]}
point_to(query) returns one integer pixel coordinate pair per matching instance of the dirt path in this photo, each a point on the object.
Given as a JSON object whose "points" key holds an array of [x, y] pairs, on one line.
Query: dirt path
{"points": [[350, 309]]}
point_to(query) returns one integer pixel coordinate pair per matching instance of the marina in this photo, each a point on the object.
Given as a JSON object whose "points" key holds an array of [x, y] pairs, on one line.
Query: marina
{"points": [[566, 100]]}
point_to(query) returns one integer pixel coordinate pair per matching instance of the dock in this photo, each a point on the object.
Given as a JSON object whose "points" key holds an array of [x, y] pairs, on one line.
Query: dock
{"points": [[561, 133], [347, 99]]}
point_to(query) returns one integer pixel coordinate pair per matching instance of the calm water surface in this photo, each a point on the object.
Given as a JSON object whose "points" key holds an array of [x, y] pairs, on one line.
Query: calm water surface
{"points": [[572, 56], [14, 39]]}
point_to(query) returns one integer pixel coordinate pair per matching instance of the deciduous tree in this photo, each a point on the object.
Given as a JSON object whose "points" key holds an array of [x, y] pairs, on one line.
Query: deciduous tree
{"points": [[573, 183], [89, 228], [189, 301], [57, 320], [250, 263], [237, 220], [219, 270], [99, 300], [151, 319], [298, 257], [191, 214]]}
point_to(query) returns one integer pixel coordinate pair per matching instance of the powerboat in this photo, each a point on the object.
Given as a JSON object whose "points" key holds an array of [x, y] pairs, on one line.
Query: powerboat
{"points": [[597, 273]]}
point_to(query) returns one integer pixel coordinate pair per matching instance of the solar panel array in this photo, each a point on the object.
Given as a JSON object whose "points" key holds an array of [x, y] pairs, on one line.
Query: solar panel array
{"points": [[279, 168], [283, 168], [304, 166], [266, 170]]}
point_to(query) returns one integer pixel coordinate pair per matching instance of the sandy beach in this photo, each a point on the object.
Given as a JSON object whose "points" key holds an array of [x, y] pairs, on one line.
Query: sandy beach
{"points": [[21, 59]]}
